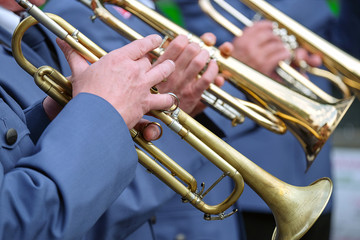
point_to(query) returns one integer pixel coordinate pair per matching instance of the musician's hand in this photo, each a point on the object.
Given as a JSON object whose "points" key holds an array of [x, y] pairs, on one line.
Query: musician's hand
{"points": [[149, 131], [210, 39], [185, 81], [51, 107], [259, 48], [123, 78], [302, 54]]}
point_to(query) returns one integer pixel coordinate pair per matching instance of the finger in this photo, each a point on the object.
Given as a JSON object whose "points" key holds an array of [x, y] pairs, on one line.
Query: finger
{"points": [[219, 81], [197, 64], [277, 51], [150, 131], [139, 48], [275, 54], [144, 63], [266, 39], [159, 72], [76, 62], [300, 55], [207, 78], [209, 39], [315, 60], [263, 25], [226, 49], [160, 102], [264, 59], [260, 33], [174, 49], [187, 55], [273, 61], [152, 57]]}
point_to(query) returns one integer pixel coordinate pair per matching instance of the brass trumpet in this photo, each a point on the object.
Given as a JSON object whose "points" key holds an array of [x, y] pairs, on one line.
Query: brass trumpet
{"points": [[312, 122], [59, 88], [295, 208], [343, 69], [222, 102]]}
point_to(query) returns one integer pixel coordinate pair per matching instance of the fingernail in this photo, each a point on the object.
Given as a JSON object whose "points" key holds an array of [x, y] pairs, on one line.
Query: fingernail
{"points": [[171, 61], [157, 38]]}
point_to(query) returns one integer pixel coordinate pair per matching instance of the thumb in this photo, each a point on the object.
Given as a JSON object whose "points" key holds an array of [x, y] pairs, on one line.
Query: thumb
{"points": [[76, 62], [150, 131]]}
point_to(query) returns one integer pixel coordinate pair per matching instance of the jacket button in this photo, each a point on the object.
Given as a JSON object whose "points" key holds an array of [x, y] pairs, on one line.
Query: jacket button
{"points": [[11, 136]]}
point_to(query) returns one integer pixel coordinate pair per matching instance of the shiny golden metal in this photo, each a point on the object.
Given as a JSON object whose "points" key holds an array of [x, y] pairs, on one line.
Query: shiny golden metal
{"points": [[297, 207], [343, 69], [227, 105], [59, 88], [312, 122], [336, 60]]}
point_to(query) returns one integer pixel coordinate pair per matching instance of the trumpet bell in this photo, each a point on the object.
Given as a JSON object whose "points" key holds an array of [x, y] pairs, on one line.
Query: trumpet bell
{"points": [[300, 112], [323, 120], [311, 122], [316, 194], [295, 209], [233, 164], [59, 88]]}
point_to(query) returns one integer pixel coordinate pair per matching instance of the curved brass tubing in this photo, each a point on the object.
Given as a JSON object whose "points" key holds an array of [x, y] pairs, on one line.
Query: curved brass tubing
{"points": [[343, 69], [222, 102], [297, 207], [59, 88], [312, 122]]}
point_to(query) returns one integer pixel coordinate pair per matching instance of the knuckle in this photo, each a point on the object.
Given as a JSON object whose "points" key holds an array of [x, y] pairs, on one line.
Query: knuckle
{"points": [[178, 45], [163, 71], [193, 47], [207, 80], [199, 63]]}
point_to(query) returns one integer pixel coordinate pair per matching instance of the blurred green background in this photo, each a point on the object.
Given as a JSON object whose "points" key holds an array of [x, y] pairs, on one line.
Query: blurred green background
{"points": [[173, 12]]}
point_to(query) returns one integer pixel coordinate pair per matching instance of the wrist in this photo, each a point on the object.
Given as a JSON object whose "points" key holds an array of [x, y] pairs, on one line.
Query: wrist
{"points": [[51, 107]]}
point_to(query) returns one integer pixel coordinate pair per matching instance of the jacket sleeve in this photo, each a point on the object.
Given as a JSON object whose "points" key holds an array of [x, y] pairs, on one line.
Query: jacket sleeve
{"points": [[36, 120], [81, 163], [146, 193]]}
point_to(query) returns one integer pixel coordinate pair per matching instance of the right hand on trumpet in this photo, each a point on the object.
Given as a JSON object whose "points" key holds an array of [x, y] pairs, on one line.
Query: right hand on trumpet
{"points": [[261, 49], [123, 78], [186, 81]]}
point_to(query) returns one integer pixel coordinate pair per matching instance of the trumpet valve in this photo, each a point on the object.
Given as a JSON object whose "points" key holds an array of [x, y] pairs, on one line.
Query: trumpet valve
{"points": [[220, 216]]}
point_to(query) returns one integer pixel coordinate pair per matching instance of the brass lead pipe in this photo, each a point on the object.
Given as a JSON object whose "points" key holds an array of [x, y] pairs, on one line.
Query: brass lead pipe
{"points": [[312, 122], [284, 69], [334, 58], [59, 88], [218, 99], [338, 62], [295, 208]]}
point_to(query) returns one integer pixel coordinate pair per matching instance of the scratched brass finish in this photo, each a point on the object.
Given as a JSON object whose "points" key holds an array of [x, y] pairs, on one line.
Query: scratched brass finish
{"points": [[312, 122], [59, 88], [227, 105], [308, 201]]}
